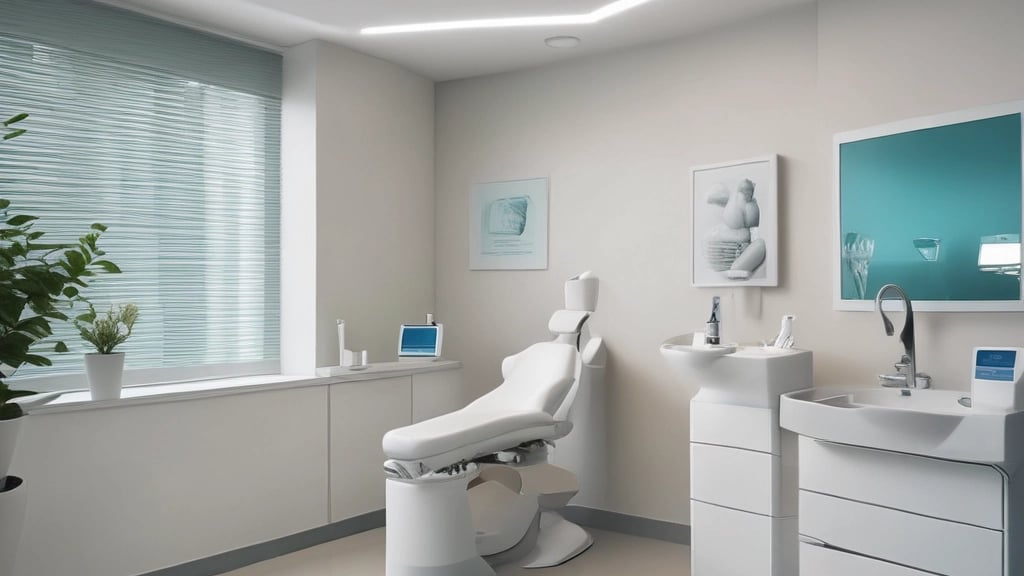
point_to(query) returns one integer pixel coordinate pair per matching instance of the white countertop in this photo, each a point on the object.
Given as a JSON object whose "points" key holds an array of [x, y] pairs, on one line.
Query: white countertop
{"points": [[77, 400]]}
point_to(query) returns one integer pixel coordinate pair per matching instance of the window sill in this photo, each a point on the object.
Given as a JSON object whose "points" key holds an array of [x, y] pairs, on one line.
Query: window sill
{"points": [[77, 400]]}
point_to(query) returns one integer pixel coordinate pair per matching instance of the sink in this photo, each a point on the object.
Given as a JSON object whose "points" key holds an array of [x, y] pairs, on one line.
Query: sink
{"points": [[740, 375], [925, 422]]}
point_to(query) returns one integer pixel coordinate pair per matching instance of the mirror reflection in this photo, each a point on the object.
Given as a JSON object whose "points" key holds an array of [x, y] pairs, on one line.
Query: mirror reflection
{"points": [[933, 205]]}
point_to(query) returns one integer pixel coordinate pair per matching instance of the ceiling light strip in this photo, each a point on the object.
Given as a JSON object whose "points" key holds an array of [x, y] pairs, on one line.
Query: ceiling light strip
{"points": [[601, 13]]}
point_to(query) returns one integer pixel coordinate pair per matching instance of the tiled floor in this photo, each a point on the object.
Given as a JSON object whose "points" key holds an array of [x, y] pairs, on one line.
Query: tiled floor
{"points": [[612, 554]]}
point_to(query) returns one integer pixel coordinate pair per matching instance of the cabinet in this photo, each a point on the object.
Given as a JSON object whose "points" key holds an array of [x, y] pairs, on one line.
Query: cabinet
{"points": [[211, 470], [901, 514], [361, 413], [743, 467], [743, 492]]}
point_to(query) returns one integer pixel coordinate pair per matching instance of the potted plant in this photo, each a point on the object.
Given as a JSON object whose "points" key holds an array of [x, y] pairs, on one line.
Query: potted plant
{"points": [[105, 367], [39, 282]]}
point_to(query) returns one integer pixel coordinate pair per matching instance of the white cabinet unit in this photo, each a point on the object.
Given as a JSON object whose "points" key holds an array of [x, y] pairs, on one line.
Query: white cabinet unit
{"points": [[869, 511], [361, 413], [743, 467], [135, 485]]}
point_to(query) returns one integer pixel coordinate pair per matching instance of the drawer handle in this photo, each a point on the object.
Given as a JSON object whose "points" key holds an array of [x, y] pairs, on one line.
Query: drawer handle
{"points": [[813, 541]]}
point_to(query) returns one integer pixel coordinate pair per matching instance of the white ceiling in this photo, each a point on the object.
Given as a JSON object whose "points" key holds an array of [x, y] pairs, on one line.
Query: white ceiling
{"points": [[452, 54]]}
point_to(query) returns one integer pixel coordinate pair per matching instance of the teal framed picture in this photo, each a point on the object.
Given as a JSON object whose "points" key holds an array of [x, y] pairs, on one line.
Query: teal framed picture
{"points": [[932, 204]]}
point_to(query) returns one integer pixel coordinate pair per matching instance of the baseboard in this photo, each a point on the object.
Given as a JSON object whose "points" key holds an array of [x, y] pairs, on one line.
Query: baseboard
{"points": [[243, 557], [626, 524]]}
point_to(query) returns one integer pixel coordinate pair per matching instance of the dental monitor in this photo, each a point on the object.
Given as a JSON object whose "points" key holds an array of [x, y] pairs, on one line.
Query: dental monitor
{"points": [[420, 342]]}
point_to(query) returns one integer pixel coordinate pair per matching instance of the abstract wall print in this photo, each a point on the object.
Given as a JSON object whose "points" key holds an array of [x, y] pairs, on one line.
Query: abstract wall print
{"points": [[933, 204], [508, 225], [735, 223]]}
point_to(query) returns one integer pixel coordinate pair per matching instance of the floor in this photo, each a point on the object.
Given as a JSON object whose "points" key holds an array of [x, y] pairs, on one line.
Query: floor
{"points": [[612, 554]]}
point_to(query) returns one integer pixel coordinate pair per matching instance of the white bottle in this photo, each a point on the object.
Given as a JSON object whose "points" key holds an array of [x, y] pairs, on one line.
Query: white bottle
{"points": [[344, 355]]}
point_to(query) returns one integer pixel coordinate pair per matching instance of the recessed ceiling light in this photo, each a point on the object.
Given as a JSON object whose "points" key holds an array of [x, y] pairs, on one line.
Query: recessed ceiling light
{"points": [[606, 11], [562, 41]]}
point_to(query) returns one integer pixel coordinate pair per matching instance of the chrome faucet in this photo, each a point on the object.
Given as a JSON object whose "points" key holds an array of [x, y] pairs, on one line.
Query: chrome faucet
{"points": [[911, 378]]}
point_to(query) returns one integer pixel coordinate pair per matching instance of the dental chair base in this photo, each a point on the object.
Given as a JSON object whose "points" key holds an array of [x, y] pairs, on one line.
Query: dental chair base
{"points": [[471, 520], [559, 541], [430, 528]]}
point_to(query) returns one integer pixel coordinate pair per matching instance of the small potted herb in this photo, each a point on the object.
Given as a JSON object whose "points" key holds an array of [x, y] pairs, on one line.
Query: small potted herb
{"points": [[105, 367]]}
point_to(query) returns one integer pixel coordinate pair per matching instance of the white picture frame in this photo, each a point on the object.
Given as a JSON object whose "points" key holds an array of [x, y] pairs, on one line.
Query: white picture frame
{"points": [[734, 209], [508, 225]]}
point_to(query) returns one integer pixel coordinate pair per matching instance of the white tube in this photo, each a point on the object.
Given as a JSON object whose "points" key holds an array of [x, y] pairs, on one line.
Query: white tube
{"points": [[341, 342]]}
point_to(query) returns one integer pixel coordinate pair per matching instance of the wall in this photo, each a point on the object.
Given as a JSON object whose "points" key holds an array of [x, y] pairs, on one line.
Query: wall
{"points": [[616, 136], [365, 128]]}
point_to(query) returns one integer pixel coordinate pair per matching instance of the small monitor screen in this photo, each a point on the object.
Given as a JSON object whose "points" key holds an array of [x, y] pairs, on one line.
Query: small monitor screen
{"points": [[418, 341], [995, 365]]}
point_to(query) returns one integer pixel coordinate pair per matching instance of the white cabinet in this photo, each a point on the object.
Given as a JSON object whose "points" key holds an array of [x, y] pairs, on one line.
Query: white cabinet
{"points": [[932, 545], [743, 476], [361, 413], [823, 561], [132, 489], [141, 484], [870, 511], [436, 393], [728, 542]]}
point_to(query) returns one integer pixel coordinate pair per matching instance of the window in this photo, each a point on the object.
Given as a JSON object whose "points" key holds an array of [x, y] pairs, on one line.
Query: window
{"points": [[182, 167]]}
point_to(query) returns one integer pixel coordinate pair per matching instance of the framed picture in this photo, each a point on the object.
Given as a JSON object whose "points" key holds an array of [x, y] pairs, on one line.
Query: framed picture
{"points": [[933, 204], [735, 223], [508, 225]]}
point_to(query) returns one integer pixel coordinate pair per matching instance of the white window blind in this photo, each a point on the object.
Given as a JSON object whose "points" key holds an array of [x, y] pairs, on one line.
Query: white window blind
{"points": [[182, 167]]}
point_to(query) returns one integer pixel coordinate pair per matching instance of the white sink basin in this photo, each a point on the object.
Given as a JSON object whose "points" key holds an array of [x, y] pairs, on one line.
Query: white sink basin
{"points": [[925, 422], [739, 375]]}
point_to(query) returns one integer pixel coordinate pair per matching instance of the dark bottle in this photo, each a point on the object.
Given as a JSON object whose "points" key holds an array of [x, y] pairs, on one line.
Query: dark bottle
{"points": [[711, 330]]}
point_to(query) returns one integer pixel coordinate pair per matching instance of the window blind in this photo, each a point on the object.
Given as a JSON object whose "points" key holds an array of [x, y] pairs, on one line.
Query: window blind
{"points": [[183, 169]]}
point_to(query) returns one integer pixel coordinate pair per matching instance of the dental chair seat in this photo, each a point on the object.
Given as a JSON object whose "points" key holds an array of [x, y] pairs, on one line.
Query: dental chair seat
{"points": [[520, 410], [467, 431]]}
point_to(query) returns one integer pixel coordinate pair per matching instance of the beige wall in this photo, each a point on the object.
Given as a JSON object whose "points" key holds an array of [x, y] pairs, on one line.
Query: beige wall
{"points": [[616, 136], [367, 128], [375, 202]]}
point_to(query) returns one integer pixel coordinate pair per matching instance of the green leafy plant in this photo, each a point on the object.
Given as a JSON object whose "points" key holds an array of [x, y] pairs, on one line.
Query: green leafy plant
{"points": [[39, 283], [105, 333]]}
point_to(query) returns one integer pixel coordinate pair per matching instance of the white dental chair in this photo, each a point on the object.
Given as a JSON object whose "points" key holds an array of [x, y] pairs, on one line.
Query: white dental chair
{"points": [[473, 488]]}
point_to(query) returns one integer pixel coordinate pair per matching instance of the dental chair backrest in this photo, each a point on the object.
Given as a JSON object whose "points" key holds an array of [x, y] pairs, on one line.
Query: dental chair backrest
{"points": [[538, 381], [530, 376]]}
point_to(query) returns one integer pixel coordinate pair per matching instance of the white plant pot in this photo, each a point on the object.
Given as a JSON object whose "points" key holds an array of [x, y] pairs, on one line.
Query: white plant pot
{"points": [[13, 499], [104, 372], [9, 430]]}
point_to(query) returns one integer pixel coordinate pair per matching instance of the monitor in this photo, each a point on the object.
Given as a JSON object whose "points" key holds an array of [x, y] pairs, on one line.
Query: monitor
{"points": [[420, 341]]}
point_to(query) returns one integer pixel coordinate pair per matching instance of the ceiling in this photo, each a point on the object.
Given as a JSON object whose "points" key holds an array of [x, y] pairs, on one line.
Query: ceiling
{"points": [[459, 53]]}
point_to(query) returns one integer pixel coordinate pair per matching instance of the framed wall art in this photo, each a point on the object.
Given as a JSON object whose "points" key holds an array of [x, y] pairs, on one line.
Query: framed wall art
{"points": [[735, 223], [508, 225]]}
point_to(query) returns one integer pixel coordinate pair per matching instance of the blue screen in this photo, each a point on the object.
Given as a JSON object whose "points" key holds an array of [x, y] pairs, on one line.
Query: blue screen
{"points": [[419, 341], [995, 365]]}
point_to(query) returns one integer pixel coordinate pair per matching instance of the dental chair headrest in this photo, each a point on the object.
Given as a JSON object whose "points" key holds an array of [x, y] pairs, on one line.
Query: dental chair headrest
{"points": [[539, 381]]}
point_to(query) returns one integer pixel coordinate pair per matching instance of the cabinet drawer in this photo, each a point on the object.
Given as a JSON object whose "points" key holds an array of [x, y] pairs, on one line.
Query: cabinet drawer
{"points": [[736, 478], [726, 542], [927, 544], [736, 426], [957, 491], [821, 561]]}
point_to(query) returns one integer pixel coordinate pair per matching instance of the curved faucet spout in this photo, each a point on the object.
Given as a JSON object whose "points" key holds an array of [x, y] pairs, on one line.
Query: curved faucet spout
{"points": [[907, 334]]}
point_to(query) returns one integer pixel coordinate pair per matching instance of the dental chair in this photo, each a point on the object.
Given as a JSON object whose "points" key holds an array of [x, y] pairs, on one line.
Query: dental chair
{"points": [[474, 488]]}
